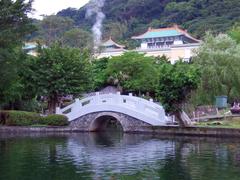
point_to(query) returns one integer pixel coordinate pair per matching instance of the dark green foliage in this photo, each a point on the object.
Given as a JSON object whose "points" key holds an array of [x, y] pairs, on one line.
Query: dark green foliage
{"points": [[23, 118], [136, 16], [14, 26], [14, 23], [55, 120], [31, 105], [19, 118], [59, 71], [10, 84], [77, 38], [99, 73], [52, 28], [19, 93], [176, 82], [132, 72]]}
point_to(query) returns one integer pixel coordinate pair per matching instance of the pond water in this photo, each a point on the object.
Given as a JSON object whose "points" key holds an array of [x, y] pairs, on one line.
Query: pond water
{"points": [[115, 155]]}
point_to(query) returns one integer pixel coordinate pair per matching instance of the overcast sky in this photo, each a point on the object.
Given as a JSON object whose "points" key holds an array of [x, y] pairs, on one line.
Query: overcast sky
{"points": [[49, 7]]}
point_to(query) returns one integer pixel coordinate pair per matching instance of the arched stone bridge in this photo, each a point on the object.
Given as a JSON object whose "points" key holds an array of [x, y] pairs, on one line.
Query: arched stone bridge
{"points": [[133, 113]]}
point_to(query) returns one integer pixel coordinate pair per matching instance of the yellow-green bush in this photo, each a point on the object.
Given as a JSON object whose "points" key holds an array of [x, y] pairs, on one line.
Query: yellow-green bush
{"points": [[55, 120]]}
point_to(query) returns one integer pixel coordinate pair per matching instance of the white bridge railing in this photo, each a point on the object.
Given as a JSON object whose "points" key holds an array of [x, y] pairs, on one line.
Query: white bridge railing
{"points": [[139, 108]]}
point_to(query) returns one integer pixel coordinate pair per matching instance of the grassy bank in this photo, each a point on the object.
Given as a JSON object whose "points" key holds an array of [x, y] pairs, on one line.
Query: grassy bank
{"points": [[221, 123]]}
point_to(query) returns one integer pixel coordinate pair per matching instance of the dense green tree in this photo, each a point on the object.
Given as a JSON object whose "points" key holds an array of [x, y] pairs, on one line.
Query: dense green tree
{"points": [[77, 38], [132, 72], [219, 60], [11, 87], [197, 16], [14, 26], [59, 71], [100, 77], [14, 22], [116, 30], [52, 28], [176, 82]]}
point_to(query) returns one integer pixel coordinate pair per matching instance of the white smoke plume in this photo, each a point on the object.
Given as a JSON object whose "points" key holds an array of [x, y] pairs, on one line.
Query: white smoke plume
{"points": [[94, 7]]}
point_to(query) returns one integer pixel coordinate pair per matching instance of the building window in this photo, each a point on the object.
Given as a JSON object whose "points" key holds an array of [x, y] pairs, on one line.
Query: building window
{"points": [[150, 45]]}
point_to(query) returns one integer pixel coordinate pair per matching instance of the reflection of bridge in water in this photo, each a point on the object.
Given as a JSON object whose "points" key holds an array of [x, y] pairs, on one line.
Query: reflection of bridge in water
{"points": [[103, 151], [131, 112]]}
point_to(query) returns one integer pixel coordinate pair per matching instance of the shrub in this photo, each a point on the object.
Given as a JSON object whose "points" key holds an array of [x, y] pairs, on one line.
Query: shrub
{"points": [[22, 118], [19, 118], [55, 120]]}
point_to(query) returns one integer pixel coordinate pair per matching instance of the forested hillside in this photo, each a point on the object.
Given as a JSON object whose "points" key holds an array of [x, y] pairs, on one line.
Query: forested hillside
{"points": [[125, 18]]}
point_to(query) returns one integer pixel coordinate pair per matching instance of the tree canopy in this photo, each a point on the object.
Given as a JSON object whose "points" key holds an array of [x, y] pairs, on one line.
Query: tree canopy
{"points": [[219, 60], [59, 71], [132, 72], [14, 26], [135, 16], [176, 82], [77, 38], [14, 22], [52, 28], [99, 73]]}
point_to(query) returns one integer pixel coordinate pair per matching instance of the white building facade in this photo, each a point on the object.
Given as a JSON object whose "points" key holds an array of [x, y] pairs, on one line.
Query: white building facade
{"points": [[172, 42]]}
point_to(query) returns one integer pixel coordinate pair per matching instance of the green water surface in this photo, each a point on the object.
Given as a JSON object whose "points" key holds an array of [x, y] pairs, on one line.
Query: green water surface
{"points": [[115, 155]]}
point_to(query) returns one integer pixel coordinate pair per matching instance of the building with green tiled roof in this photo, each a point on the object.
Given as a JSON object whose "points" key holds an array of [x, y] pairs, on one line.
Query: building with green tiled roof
{"points": [[164, 38], [173, 42]]}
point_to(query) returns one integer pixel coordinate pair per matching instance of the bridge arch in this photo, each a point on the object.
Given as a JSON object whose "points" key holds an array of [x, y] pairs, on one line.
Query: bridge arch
{"points": [[102, 120], [92, 121]]}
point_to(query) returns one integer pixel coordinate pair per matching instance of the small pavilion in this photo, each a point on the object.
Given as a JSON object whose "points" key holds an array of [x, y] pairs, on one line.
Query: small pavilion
{"points": [[110, 48], [111, 45]]}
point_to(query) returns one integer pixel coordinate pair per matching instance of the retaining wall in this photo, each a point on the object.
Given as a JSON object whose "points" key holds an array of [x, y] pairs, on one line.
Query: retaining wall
{"points": [[162, 130]]}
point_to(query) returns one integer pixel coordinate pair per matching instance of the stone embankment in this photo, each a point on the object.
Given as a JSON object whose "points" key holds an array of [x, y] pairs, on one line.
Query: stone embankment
{"points": [[159, 130]]}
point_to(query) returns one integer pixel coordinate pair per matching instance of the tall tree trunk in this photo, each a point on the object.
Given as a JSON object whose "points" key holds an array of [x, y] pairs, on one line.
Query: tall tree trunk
{"points": [[179, 118], [181, 121], [229, 91], [52, 103]]}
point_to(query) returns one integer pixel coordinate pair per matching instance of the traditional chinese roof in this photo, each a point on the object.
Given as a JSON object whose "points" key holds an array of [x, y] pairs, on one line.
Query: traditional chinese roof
{"points": [[165, 32], [111, 43]]}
